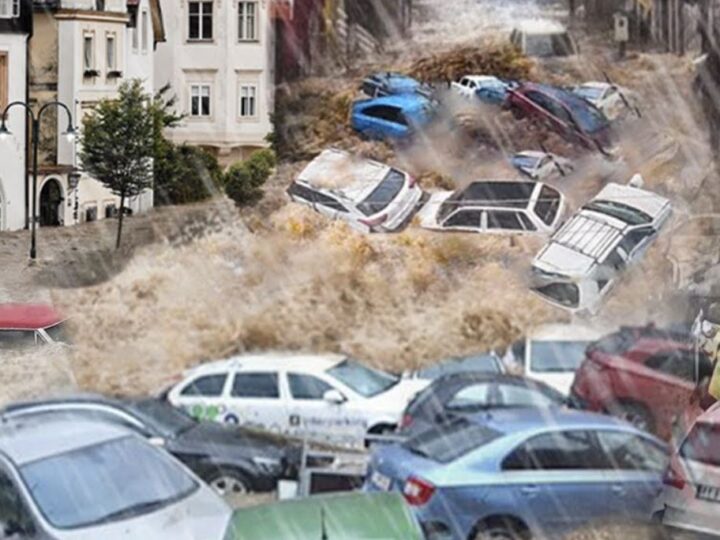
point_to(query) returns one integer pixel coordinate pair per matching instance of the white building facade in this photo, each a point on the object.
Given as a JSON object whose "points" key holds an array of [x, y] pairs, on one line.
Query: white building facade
{"points": [[219, 60], [15, 29]]}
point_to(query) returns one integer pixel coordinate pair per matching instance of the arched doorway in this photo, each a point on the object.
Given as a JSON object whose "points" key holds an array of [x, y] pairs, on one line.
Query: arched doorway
{"points": [[50, 201]]}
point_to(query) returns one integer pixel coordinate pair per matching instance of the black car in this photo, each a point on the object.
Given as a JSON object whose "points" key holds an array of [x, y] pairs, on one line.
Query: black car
{"points": [[231, 459], [460, 394], [483, 363]]}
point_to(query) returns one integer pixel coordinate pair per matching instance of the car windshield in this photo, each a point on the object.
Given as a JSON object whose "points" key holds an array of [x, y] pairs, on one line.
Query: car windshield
{"points": [[623, 212], [451, 441], [556, 356], [165, 418], [588, 118], [111, 481], [525, 162], [565, 294], [588, 92], [363, 380], [59, 333], [702, 444], [383, 194]]}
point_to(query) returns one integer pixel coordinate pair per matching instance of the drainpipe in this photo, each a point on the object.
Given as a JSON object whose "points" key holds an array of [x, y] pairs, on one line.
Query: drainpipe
{"points": [[28, 127]]}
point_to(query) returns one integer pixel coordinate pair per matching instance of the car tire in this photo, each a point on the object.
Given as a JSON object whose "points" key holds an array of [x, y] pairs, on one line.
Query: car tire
{"points": [[229, 483], [637, 415], [505, 531]]}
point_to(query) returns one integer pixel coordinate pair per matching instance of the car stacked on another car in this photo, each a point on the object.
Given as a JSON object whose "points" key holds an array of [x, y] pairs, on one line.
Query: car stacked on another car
{"points": [[321, 397], [395, 117], [369, 196], [462, 394], [586, 257], [389, 84], [68, 479], [231, 459], [612, 100], [486, 88], [30, 325], [572, 117], [645, 375], [499, 207], [541, 165], [526, 473]]}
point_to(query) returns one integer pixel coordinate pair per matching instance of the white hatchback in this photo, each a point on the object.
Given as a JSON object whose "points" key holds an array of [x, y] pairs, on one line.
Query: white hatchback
{"points": [[321, 397], [690, 501], [541, 165], [369, 196], [612, 100]]}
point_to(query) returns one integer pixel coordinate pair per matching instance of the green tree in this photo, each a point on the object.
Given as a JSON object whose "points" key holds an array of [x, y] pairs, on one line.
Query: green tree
{"points": [[117, 144], [244, 180]]}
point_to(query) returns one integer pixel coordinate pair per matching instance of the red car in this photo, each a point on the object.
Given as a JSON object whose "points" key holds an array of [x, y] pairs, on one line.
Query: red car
{"points": [[646, 375], [28, 325], [575, 119]]}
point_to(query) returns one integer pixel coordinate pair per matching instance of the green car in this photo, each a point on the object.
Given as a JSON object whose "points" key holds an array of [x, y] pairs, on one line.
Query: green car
{"points": [[351, 516]]}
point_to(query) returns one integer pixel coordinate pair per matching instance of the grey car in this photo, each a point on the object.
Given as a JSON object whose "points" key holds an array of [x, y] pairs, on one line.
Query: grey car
{"points": [[63, 479]]}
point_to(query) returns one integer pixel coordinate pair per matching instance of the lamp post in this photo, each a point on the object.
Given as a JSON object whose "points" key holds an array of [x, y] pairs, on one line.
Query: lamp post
{"points": [[70, 133]]}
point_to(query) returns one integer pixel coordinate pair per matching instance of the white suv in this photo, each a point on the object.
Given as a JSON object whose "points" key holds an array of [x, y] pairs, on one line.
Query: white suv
{"points": [[322, 397], [369, 196], [585, 258]]}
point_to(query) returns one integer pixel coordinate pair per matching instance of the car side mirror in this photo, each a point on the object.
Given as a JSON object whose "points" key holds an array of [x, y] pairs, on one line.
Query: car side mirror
{"points": [[334, 397]]}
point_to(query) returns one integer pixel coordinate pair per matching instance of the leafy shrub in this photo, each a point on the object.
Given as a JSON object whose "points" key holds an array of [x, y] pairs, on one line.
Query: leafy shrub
{"points": [[244, 180], [186, 174]]}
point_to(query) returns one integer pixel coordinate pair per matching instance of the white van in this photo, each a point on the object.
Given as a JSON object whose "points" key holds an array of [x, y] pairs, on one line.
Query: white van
{"points": [[543, 38], [585, 258]]}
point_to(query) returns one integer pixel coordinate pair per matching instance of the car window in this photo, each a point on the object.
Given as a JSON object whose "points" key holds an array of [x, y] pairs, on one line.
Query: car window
{"points": [[627, 451], [473, 396], [302, 192], [206, 386], [548, 205], [329, 202], [634, 238], [529, 225], [255, 385], [562, 450], [17, 339], [464, 82], [451, 441], [464, 218], [12, 507], [384, 112], [550, 105], [307, 387], [615, 261], [565, 294], [679, 364], [513, 395], [556, 356], [498, 219], [385, 193], [702, 443]]}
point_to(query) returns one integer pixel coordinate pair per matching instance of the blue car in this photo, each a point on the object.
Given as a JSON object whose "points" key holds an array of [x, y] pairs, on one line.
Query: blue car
{"points": [[522, 473], [389, 84], [391, 117]]}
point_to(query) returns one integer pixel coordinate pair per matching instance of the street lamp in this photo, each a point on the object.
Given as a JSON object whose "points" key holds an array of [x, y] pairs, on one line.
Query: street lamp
{"points": [[70, 134]]}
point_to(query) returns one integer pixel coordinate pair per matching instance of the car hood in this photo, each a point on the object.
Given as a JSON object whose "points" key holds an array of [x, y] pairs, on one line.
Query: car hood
{"points": [[356, 516], [647, 201], [428, 213], [202, 516], [221, 438]]}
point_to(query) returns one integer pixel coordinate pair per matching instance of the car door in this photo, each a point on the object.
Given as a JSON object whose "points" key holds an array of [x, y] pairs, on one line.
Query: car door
{"points": [[255, 400], [464, 220], [329, 206], [559, 478], [312, 416], [203, 396], [381, 121], [637, 468], [635, 243]]}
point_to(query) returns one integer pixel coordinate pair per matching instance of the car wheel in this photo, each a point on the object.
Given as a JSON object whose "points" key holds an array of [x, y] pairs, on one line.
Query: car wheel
{"points": [[229, 484], [500, 532], [637, 415]]}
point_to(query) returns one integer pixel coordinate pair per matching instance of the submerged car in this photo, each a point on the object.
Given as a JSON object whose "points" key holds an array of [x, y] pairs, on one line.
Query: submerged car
{"points": [[388, 84], [573, 118], [67, 479], [329, 398], [461, 394], [232, 460], [543, 38], [396, 117], [612, 100], [645, 375], [499, 207], [369, 196], [350, 516], [587, 256], [486, 88], [525, 473], [541, 165], [688, 505], [30, 325]]}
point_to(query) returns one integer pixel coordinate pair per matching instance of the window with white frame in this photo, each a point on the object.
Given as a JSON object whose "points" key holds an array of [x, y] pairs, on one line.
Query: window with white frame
{"points": [[200, 100], [247, 21], [110, 52], [144, 29], [89, 52], [135, 37], [200, 20], [248, 100], [9, 9]]}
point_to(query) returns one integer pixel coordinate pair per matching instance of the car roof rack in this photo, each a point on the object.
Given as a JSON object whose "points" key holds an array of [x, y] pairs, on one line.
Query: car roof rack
{"points": [[590, 236]]}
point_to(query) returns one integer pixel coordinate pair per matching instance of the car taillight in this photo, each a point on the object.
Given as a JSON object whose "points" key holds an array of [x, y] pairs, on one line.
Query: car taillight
{"points": [[375, 221], [406, 421], [418, 491], [411, 181], [673, 477]]}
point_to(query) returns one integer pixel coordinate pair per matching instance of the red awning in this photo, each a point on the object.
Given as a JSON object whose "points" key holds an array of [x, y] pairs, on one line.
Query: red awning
{"points": [[27, 316]]}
